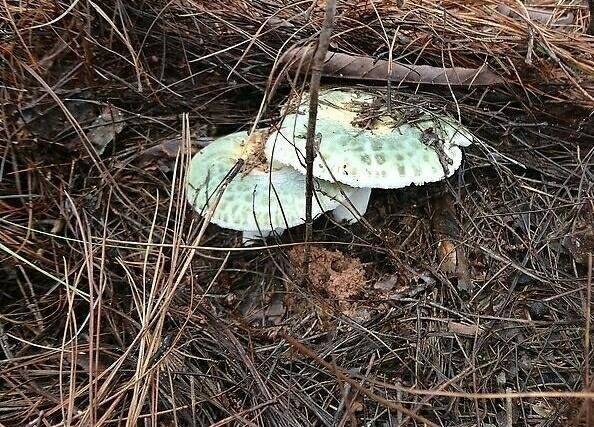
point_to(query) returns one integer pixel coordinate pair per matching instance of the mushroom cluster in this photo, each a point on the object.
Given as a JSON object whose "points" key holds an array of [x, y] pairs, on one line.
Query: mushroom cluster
{"points": [[359, 149]]}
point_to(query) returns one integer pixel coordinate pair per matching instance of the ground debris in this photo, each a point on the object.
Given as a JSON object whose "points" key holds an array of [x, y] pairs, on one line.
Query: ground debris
{"points": [[132, 243], [338, 275], [463, 329], [358, 67], [49, 122], [451, 254], [580, 242], [162, 155], [105, 127]]}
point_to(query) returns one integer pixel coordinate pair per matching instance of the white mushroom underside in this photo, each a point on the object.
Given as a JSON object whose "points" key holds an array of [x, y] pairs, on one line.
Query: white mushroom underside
{"points": [[354, 208]]}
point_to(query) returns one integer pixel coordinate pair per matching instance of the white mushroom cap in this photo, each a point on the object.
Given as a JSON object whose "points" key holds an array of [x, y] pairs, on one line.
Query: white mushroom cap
{"points": [[385, 154], [257, 200]]}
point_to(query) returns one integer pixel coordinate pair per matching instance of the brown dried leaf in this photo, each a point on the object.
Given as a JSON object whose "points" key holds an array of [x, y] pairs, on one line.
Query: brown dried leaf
{"points": [[464, 330], [162, 156], [354, 67], [447, 256], [542, 409], [539, 15]]}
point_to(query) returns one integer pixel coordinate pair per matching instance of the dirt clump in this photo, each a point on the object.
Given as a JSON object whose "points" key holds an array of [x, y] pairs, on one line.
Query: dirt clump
{"points": [[330, 271]]}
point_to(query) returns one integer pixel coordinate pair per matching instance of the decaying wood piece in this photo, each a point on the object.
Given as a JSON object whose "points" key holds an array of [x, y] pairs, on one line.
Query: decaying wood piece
{"points": [[355, 67], [451, 254]]}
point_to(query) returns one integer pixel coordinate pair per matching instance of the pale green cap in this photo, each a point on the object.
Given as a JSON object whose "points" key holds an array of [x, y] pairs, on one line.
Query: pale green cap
{"points": [[390, 152], [252, 200]]}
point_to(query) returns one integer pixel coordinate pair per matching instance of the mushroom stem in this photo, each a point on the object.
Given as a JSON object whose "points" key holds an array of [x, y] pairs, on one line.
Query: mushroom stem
{"points": [[252, 237], [354, 208]]}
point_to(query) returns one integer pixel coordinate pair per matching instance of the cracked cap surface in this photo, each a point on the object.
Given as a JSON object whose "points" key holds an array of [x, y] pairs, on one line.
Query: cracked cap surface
{"points": [[257, 198], [384, 152]]}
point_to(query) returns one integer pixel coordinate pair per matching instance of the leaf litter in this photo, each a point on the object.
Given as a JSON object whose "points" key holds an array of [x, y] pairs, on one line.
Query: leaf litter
{"points": [[164, 340]]}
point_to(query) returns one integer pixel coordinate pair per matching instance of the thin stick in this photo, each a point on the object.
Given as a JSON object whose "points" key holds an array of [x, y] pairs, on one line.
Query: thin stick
{"points": [[590, 29], [340, 375], [588, 313], [314, 89]]}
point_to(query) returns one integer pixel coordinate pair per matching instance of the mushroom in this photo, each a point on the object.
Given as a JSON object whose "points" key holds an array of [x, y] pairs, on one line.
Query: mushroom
{"points": [[366, 148], [258, 200]]}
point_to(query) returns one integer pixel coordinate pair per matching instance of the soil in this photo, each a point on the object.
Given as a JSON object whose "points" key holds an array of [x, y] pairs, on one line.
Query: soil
{"points": [[336, 274]]}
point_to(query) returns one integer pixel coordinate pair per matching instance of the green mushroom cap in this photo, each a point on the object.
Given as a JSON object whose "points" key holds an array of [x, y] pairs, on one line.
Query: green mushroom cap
{"points": [[362, 148], [258, 198]]}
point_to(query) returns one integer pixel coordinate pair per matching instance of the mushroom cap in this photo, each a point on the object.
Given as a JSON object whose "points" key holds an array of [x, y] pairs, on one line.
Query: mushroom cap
{"points": [[253, 199], [387, 152]]}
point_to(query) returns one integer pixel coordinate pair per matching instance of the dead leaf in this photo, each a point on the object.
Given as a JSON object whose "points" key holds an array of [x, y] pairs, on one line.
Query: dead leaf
{"points": [[538, 15], [105, 128], [542, 410], [49, 121], [580, 242], [276, 310], [355, 67], [256, 307], [387, 283], [447, 256], [464, 330], [394, 287], [452, 258], [162, 155]]}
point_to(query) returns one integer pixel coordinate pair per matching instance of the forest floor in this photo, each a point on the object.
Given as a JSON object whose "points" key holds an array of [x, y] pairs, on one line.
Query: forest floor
{"points": [[460, 303]]}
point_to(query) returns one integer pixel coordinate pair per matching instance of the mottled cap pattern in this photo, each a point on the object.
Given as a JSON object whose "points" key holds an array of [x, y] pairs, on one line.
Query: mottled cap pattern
{"points": [[255, 199], [386, 152]]}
